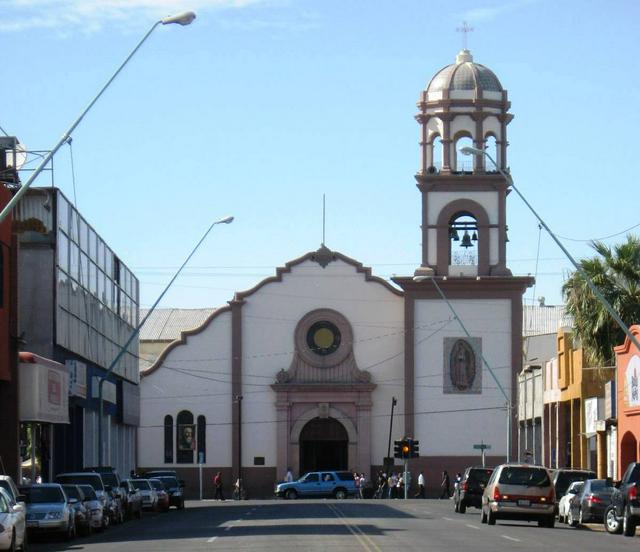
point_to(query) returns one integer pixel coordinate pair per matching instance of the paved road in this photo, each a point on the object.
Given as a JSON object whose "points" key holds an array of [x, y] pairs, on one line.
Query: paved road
{"points": [[330, 525]]}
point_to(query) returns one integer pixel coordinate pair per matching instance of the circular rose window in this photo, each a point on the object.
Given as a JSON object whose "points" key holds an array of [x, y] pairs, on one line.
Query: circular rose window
{"points": [[323, 338]]}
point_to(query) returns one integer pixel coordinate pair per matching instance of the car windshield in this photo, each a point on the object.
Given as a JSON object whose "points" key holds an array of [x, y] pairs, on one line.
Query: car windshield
{"points": [[141, 484], [169, 482], [565, 478], [479, 476], [72, 491], [89, 493], [110, 479], [40, 495], [157, 485], [82, 479], [4, 484], [530, 477]]}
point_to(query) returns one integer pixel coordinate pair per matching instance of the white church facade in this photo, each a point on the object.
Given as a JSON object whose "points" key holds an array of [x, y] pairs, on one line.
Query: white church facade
{"points": [[300, 371]]}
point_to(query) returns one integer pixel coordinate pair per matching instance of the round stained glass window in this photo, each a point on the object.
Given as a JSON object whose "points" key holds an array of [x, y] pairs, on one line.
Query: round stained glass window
{"points": [[323, 338]]}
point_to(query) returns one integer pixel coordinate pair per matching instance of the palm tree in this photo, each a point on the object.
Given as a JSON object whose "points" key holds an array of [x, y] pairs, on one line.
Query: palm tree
{"points": [[616, 273]]}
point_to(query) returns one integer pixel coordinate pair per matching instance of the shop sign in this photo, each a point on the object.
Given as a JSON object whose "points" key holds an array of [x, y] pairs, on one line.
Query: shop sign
{"points": [[632, 380], [43, 392], [77, 378], [592, 408]]}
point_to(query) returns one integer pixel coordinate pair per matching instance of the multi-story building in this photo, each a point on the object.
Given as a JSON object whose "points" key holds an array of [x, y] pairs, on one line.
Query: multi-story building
{"points": [[78, 304]]}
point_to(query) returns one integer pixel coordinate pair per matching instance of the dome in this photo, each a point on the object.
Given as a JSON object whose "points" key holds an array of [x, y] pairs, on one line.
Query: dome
{"points": [[464, 74]]}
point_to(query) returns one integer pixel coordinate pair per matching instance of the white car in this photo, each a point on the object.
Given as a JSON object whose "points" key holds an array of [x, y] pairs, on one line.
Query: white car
{"points": [[149, 495], [12, 522], [563, 506]]}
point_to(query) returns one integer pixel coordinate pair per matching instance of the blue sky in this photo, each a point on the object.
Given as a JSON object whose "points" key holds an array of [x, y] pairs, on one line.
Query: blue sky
{"points": [[260, 107]]}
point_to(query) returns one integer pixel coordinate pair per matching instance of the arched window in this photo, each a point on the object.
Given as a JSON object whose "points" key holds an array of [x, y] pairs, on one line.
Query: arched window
{"points": [[202, 440], [463, 163], [491, 146], [463, 240], [185, 437], [168, 439], [436, 154]]}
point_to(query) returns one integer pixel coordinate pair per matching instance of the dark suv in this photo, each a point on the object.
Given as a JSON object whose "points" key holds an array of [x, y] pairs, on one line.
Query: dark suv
{"points": [[563, 477], [469, 491]]}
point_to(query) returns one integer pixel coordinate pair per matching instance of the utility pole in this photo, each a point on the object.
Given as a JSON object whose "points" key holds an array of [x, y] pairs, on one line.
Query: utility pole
{"points": [[394, 401], [240, 486]]}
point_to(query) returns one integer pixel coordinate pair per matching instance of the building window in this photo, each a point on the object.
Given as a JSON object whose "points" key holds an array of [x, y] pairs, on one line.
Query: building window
{"points": [[202, 440], [168, 440], [185, 437]]}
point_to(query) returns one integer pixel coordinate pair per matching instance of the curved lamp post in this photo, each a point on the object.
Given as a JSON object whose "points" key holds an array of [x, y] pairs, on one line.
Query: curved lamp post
{"points": [[493, 375], [475, 151], [181, 19], [136, 331]]}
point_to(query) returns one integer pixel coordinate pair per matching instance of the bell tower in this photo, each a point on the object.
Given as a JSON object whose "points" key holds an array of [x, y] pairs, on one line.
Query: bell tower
{"points": [[464, 226]]}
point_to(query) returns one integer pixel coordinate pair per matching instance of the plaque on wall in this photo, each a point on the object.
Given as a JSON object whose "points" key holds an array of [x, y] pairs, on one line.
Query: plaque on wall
{"points": [[462, 365]]}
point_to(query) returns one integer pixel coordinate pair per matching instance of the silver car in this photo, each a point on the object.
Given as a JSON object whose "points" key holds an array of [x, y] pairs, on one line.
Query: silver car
{"points": [[149, 496], [93, 504], [12, 520], [49, 510]]}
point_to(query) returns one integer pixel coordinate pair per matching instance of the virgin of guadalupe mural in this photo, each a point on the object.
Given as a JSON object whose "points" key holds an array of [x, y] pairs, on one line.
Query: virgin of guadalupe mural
{"points": [[462, 365]]}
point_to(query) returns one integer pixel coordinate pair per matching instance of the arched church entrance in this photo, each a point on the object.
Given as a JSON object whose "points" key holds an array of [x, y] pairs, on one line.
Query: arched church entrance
{"points": [[323, 445]]}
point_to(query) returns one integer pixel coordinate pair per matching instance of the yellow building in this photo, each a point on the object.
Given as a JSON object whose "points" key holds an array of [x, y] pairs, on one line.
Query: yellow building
{"points": [[573, 401]]}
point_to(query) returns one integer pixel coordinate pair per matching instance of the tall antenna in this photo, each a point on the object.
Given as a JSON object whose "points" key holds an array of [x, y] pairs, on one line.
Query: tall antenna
{"points": [[323, 217], [465, 30]]}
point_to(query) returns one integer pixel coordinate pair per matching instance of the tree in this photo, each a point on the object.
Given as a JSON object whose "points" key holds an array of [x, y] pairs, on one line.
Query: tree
{"points": [[616, 273]]}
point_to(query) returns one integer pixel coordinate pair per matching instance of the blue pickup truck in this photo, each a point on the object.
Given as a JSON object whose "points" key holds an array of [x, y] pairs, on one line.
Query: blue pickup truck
{"points": [[336, 484]]}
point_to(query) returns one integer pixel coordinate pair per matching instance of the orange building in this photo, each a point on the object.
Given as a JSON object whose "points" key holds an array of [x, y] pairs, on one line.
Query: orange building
{"points": [[628, 399]]}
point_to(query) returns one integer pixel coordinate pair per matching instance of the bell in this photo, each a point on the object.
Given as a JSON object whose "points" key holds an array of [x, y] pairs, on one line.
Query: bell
{"points": [[453, 234], [474, 237], [466, 240]]}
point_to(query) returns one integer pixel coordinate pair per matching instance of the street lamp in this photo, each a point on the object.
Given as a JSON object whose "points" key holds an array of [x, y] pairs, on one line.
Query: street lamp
{"points": [[136, 331], [484, 360], [181, 19], [475, 151]]}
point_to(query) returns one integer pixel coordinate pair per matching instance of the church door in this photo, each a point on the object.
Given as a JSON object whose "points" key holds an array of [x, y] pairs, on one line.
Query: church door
{"points": [[323, 446]]}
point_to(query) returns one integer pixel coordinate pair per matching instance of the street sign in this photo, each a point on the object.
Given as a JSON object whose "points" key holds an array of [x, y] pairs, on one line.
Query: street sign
{"points": [[481, 446]]}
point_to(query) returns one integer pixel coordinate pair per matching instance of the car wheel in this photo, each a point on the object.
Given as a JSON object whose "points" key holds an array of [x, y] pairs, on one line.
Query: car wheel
{"points": [[580, 518], [181, 505], [612, 522], [462, 507], [290, 494], [483, 516], [340, 494], [491, 518], [570, 521], [551, 521], [628, 524], [12, 546]]}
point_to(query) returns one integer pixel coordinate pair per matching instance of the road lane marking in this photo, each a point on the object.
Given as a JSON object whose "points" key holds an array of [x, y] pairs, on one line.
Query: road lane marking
{"points": [[510, 538], [472, 526], [212, 539], [358, 533], [448, 519]]}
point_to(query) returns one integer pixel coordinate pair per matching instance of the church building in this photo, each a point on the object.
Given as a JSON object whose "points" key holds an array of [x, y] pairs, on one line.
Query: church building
{"points": [[304, 370]]}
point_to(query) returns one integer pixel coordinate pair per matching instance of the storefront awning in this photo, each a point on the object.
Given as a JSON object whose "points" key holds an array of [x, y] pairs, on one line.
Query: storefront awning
{"points": [[44, 390]]}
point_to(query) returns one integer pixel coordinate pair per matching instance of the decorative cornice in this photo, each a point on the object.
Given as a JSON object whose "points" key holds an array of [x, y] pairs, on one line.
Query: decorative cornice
{"points": [[312, 256], [182, 340]]}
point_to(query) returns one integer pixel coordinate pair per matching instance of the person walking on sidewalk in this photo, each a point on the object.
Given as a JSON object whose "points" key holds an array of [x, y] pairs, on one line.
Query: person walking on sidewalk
{"points": [[420, 493], [445, 485], [217, 483]]}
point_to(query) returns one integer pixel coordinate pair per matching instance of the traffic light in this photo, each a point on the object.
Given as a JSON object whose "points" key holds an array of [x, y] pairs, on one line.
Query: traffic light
{"points": [[397, 449], [415, 449], [406, 448]]}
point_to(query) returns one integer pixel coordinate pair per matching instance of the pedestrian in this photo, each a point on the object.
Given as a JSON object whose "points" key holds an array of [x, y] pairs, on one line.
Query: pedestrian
{"points": [[420, 493], [400, 487], [356, 480], [217, 483], [289, 476], [457, 481], [393, 482], [445, 485], [362, 484]]}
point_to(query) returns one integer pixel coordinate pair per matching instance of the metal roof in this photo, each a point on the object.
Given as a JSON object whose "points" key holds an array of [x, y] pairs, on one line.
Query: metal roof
{"points": [[166, 324]]}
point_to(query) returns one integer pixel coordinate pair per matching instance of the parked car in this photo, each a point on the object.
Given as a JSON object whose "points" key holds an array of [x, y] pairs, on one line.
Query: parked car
{"points": [[623, 514], [133, 504], [589, 505], [13, 522], [149, 496], [469, 491], [81, 512], [338, 484], [49, 510], [175, 488], [563, 477], [111, 479], [163, 495], [519, 492], [95, 480], [97, 518], [18, 505], [563, 504]]}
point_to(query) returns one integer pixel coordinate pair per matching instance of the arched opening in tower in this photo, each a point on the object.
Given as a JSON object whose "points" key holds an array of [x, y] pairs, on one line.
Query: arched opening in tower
{"points": [[463, 240]]}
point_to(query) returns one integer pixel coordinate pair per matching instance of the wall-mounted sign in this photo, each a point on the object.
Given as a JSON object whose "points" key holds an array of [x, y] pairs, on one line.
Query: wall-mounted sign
{"points": [[43, 390], [632, 387], [108, 390], [592, 413], [77, 378]]}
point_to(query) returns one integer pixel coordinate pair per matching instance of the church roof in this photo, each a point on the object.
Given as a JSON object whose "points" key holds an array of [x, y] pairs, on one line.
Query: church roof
{"points": [[464, 74], [166, 324]]}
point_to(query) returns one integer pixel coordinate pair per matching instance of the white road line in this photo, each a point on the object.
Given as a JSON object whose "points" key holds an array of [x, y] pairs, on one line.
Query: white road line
{"points": [[212, 539], [510, 538], [448, 519], [472, 526]]}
